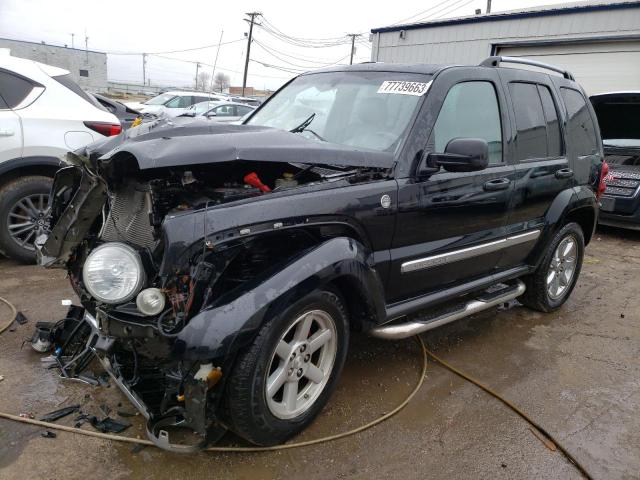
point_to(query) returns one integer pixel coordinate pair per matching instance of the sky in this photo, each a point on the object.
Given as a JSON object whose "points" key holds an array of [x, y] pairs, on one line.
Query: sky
{"points": [[124, 29]]}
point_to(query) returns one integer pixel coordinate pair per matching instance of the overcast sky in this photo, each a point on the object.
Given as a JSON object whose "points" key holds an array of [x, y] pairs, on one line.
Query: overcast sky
{"points": [[157, 26]]}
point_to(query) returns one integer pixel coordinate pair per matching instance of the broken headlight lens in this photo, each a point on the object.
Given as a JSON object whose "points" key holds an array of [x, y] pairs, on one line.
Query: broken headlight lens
{"points": [[113, 273]]}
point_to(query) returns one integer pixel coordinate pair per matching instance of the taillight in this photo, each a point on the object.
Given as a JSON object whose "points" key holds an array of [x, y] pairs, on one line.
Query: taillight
{"points": [[602, 185], [106, 129]]}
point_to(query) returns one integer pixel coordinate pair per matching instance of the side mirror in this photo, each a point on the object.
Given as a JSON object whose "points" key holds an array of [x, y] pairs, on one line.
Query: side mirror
{"points": [[460, 155], [212, 114]]}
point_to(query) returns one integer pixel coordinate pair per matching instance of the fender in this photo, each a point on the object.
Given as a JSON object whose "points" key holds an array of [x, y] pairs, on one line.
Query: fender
{"points": [[37, 161], [563, 205], [303, 206], [222, 330]]}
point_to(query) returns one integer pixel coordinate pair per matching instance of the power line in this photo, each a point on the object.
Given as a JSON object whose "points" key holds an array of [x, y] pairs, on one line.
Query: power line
{"points": [[433, 15], [219, 67], [306, 67], [454, 10], [276, 67], [421, 13], [178, 51], [340, 39], [300, 41], [323, 62]]}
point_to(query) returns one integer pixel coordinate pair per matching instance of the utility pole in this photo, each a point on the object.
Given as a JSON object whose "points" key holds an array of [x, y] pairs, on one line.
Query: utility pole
{"points": [[252, 16], [215, 62], [144, 69], [488, 6], [73, 44], [197, 68], [353, 45], [86, 46]]}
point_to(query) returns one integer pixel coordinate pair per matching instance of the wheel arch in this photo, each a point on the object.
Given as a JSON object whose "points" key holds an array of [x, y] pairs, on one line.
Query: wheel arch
{"points": [[38, 165], [586, 217], [339, 263], [579, 205]]}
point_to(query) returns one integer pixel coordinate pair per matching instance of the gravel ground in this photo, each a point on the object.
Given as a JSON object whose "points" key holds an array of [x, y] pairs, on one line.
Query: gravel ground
{"points": [[575, 371]]}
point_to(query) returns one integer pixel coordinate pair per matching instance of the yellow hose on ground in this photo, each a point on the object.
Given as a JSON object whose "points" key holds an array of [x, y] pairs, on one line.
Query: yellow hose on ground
{"points": [[513, 407], [425, 353], [14, 312]]}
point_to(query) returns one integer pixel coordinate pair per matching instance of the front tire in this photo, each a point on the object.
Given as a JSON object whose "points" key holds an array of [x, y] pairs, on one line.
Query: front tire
{"points": [[24, 207], [552, 283], [283, 380]]}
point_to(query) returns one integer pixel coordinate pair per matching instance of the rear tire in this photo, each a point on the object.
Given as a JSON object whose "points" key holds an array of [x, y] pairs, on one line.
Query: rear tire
{"points": [[283, 380], [552, 283], [24, 204]]}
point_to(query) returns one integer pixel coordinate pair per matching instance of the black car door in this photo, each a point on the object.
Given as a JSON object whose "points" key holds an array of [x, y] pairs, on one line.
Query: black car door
{"points": [[542, 169], [451, 226]]}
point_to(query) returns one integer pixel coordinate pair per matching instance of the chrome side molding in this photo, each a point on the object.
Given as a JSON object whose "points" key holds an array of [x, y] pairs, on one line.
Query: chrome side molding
{"points": [[469, 252]]}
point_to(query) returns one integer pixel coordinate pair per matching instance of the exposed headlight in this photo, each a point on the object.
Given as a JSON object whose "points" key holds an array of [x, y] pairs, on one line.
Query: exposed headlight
{"points": [[113, 273], [150, 301]]}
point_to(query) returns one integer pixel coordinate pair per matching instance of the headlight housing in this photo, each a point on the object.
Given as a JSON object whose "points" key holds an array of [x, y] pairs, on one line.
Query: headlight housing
{"points": [[113, 273]]}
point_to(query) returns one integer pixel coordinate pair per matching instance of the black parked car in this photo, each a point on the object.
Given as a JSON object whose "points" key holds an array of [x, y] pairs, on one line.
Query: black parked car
{"points": [[618, 115], [221, 268], [125, 114]]}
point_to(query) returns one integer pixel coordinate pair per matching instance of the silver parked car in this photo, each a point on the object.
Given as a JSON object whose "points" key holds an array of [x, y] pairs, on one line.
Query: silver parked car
{"points": [[219, 111]]}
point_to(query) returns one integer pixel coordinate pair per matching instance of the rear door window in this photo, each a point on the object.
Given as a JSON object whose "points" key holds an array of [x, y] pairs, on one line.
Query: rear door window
{"points": [[13, 89], [240, 110], [581, 130], [554, 137], [470, 110], [531, 137]]}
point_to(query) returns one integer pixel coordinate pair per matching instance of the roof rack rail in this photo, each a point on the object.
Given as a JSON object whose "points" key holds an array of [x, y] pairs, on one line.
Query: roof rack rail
{"points": [[495, 61]]}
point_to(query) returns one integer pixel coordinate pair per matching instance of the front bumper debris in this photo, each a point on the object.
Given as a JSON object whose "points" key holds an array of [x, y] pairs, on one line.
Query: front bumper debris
{"points": [[192, 413]]}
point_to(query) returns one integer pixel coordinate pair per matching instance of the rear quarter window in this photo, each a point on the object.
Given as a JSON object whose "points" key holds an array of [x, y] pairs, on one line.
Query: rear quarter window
{"points": [[67, 81], [13, 89], [581, 131]]}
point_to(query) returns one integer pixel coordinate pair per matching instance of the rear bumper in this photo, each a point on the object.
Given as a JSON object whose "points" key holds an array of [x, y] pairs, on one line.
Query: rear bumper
{"points": [[613, 219]]}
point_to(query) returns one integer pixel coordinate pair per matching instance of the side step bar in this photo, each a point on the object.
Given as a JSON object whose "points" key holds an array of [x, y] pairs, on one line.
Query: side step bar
{"points": [[403, 330]]}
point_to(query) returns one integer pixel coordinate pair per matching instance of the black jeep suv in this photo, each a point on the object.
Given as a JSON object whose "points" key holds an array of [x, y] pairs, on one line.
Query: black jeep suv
{"points": [[221, 268]]}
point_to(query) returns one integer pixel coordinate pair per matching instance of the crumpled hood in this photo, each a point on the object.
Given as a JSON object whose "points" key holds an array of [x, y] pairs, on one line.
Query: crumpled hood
{"points": [[190, 141]]}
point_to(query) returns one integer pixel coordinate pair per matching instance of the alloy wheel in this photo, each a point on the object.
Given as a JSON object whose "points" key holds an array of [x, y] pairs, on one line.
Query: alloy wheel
{"points": [[562, 267], [301, 364], [28, 219]]}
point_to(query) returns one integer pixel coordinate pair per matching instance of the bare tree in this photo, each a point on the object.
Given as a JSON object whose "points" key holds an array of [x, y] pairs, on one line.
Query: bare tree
{"points": [[221, 81], [202, 82]]}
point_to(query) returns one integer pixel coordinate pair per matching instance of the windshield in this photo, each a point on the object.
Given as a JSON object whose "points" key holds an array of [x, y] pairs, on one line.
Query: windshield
{"points": [[160, 99], [369, 110]]}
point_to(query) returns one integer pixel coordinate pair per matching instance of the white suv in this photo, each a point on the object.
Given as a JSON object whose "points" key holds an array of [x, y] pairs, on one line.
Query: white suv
{"points": [[175, 103], [43, 115]]}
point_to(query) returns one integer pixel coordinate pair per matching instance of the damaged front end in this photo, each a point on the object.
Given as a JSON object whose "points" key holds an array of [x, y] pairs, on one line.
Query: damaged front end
{"points": [[157, 247]]}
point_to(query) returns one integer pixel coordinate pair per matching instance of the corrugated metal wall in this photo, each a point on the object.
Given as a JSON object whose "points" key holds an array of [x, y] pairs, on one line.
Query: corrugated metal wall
{"points": [[470, 43]]}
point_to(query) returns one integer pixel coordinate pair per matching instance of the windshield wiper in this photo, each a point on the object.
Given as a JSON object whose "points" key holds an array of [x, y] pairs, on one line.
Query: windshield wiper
{"points": [[303, 125]]}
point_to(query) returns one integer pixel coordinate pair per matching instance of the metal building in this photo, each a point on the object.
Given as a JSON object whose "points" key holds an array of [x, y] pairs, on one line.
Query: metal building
{"points": [[599, 42], [88, 68]]}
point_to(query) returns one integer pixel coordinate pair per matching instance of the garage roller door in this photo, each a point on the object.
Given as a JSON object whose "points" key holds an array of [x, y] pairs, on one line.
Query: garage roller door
{"points": [[598, 67]]}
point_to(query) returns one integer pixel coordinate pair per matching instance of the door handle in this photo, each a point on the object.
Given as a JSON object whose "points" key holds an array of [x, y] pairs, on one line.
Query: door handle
{"points": [[6, 132], [564, 173], [497, 184]]}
